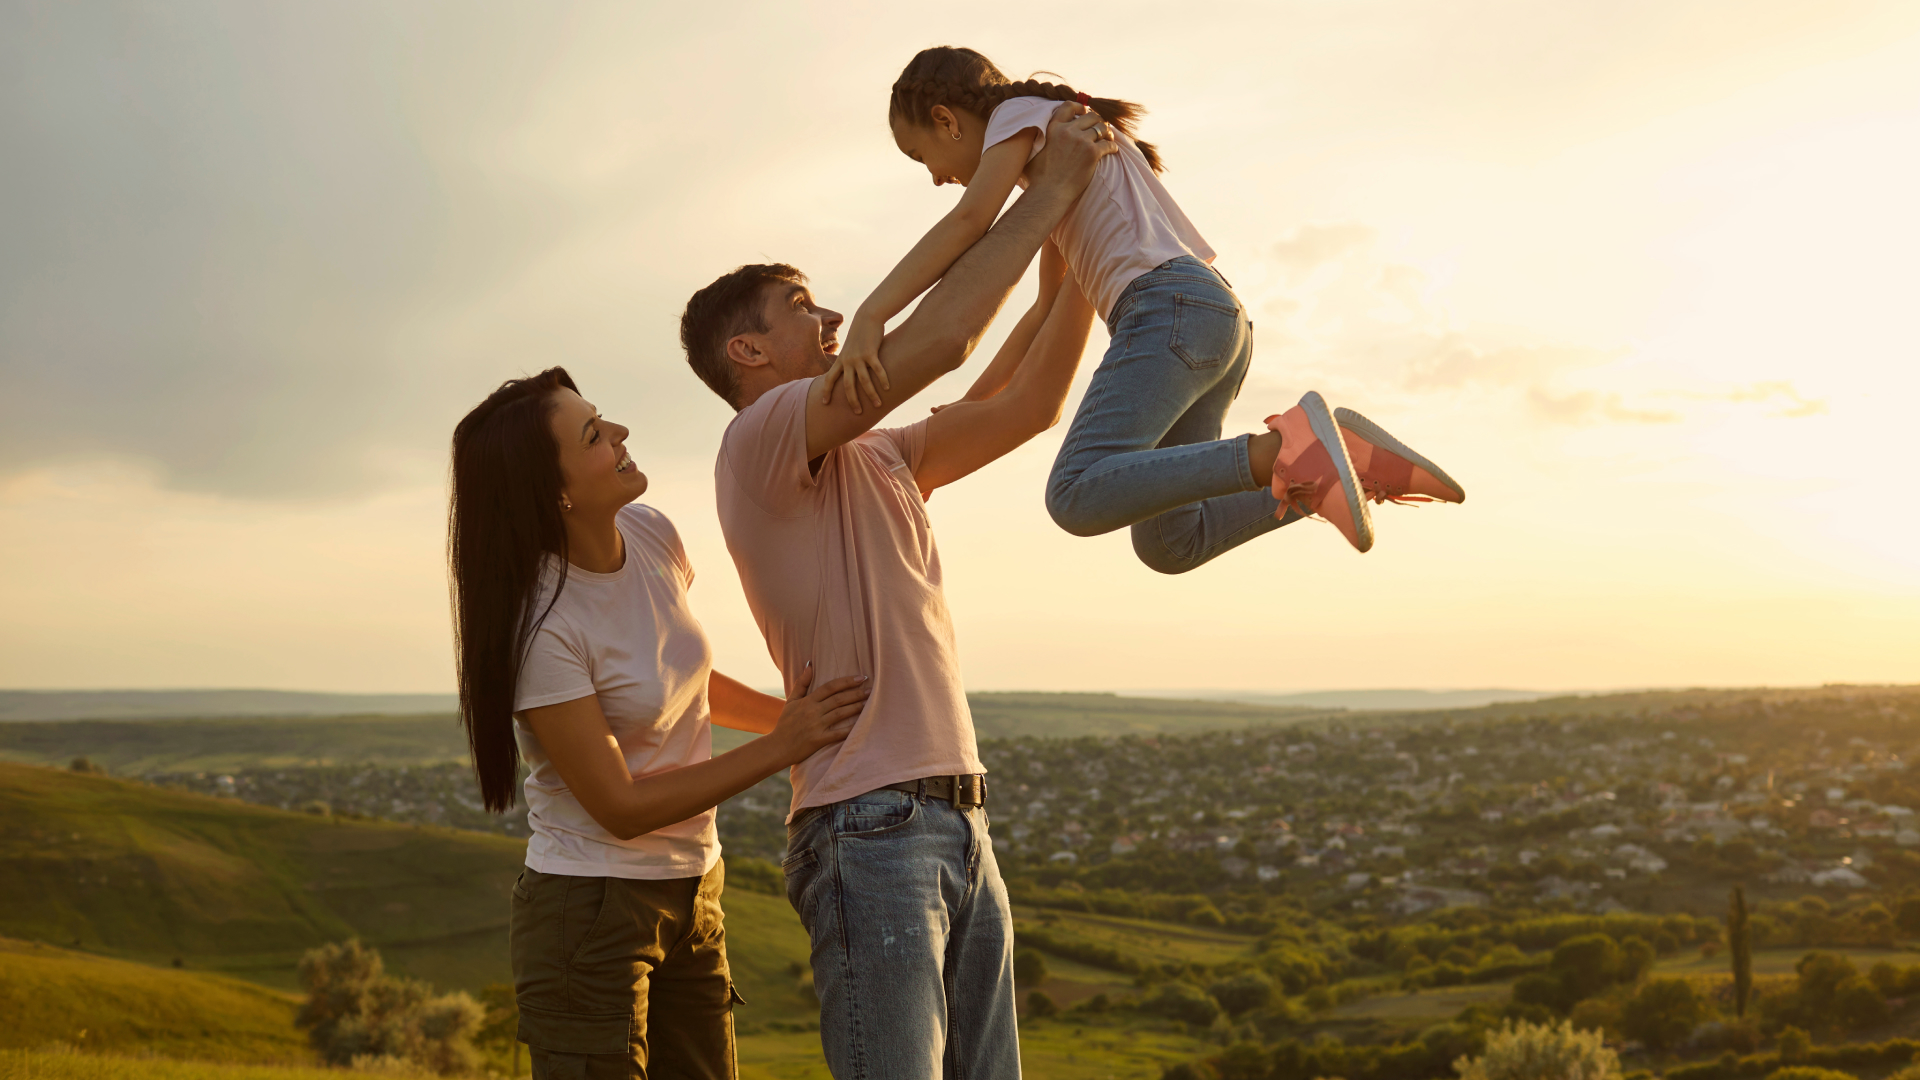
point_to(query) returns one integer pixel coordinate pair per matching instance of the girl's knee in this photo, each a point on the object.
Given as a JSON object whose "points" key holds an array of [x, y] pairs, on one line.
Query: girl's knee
{"points": [[1156, 554], [1064, 511]]}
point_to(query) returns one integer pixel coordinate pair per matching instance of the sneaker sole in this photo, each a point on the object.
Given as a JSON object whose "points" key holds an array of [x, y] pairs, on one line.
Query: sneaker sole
{"points": [[1378, 436], [1327, 430]]}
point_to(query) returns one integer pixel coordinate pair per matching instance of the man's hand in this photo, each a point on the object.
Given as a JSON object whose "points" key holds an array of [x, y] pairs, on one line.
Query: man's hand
{"points": [[858, 363], [948, 322], [1076, 141]]}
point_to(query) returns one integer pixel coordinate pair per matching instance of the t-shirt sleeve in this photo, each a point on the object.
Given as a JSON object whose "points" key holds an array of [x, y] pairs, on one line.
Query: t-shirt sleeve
{"points": [[765, 449], [1016, 115], [909, 442], [555, 670], [657, 529]]}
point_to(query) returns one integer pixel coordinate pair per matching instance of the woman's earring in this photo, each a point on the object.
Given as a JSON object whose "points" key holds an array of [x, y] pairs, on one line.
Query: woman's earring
{"points": [[956, 136], [566, 503]]}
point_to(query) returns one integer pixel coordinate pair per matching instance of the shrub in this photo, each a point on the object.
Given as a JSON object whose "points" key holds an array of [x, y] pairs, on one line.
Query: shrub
{"points": [[1531, 1052], [1242, 993], [1907, 916], [1808, 1072], [755, 875], [1178, 1001], [1585, 965], [1543, 990], [1793, 1045], [1662, 1014], [355, 1010], [1029, 968], [1040, 1006]]}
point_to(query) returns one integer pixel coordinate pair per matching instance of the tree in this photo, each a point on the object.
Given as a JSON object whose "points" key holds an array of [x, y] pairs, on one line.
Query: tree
{"points": [[1794, 1045], [1029, 968], [1585, 965], [1907, 917], [1529, 1052], [1242, 993], [1740, 946], [1662, 1014], [1039, 1005], [1178, 1001]]}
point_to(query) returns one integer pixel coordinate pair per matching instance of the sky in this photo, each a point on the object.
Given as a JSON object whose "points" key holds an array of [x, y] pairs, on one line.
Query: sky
{"points": [[1639, 274]]}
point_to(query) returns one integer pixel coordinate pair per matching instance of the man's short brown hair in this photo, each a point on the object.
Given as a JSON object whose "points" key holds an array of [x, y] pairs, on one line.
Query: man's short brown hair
{"points": [[731, 306]]}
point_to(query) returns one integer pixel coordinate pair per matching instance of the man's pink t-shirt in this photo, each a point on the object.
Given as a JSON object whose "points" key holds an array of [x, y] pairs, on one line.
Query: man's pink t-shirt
{"points": [[840, 569]]}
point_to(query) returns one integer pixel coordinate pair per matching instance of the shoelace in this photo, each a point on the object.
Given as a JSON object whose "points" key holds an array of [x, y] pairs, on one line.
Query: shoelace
{"points": [[1380, 493]]}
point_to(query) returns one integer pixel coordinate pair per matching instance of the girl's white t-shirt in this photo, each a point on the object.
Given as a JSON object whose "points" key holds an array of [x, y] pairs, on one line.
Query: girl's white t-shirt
{"points": [[629, 638], [1123, 225]]}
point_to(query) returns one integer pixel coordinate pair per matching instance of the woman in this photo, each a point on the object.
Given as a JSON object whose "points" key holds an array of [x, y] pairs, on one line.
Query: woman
{"points": [[577, 651]]}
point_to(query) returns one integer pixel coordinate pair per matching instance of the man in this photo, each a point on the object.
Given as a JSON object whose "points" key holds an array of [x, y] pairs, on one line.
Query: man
{"points": [[889, 863]]}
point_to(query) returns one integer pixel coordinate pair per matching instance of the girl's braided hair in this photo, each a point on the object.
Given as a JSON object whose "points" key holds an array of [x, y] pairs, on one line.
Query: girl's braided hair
{"points": [[963, 79]]}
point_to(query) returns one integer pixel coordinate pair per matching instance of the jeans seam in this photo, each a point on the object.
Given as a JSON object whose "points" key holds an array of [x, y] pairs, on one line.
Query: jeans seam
{"points": [[846, 959]]}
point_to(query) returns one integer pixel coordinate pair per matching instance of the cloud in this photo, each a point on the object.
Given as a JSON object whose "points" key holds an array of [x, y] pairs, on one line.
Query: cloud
{"points": [[1588, 406], [1309, 247]]}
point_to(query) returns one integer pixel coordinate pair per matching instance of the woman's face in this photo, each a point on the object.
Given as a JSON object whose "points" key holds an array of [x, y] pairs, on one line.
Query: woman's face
{"points": [[595, 472], [950, 148]]}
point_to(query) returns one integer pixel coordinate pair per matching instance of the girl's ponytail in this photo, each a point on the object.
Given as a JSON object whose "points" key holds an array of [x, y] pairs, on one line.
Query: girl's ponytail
{"points": [[963, 79]]}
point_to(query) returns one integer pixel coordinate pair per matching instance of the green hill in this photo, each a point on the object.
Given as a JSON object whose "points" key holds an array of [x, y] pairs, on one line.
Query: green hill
{"points": [[153, 875], [51, 995]]}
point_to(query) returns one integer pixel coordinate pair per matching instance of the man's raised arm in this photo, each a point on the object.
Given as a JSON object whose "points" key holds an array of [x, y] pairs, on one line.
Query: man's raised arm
{"points": [[948, 323]]}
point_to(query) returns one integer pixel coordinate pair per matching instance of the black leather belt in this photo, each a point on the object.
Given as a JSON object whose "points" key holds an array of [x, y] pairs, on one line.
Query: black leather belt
{"points": [[966, 790]]}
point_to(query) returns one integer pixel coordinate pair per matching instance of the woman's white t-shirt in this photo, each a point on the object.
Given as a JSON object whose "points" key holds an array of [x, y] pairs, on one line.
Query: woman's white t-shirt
{"points": [[1123, 225], [629, 638]]}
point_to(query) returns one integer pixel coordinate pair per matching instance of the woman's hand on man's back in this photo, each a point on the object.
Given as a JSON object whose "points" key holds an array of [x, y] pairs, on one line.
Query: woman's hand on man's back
{"points": [[819, 717]]}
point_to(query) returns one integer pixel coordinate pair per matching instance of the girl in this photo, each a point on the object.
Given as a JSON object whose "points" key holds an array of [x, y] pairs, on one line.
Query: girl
{"points": [[1145, 448], [577, 651]]}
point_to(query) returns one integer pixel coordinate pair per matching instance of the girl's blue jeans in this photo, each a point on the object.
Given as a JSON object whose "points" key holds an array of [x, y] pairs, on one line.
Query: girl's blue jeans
{"points": [[1145, 448]]}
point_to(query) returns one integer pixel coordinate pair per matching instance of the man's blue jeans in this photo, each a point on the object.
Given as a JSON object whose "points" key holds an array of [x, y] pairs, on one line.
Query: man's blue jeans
{"points": [[1145, 448], [912, 938]]}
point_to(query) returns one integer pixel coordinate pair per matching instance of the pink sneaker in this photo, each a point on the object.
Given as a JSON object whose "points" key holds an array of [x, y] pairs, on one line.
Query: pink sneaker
{"points": [[1389, 471], [1313, 473]]}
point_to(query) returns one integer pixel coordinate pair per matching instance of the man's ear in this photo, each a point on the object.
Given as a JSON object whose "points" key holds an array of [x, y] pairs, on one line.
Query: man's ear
{"points": [[745, 350]]}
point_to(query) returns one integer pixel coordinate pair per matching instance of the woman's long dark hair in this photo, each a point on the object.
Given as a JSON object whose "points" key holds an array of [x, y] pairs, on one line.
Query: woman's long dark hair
{"points": [[503, 522], [961, 78]]}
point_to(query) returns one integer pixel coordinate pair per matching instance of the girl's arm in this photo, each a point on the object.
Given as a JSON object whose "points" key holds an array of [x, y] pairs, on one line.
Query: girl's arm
{"points": [[740, 707], [1053, 269], [859, 357], [576, 738]]}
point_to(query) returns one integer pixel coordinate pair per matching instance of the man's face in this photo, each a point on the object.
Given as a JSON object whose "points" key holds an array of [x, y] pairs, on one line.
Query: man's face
{"points": [[802, 337]]}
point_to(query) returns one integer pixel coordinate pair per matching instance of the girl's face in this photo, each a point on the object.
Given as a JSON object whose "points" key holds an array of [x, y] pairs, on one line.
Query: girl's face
{"points": [[949, 148], [596, 473]]}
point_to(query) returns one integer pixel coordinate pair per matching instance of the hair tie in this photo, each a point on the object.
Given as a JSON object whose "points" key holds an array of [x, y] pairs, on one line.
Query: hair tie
{"points": [[1082, 98]]}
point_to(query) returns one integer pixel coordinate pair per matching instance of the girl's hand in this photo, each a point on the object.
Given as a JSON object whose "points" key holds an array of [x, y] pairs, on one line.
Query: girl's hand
{"points": [[859, 364], [819, 718]]}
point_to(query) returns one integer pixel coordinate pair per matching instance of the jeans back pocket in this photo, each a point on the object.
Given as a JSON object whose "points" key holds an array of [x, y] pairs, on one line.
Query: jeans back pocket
{"points": [[1205, 332]]}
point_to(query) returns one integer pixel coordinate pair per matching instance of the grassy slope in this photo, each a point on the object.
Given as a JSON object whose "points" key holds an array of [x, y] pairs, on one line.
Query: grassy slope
{"points": [[153, 874], [50, 995], [68, 1065]]}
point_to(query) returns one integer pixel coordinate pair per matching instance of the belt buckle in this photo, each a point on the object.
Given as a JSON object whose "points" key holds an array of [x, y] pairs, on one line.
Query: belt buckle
{"points": [[969, 790]]}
